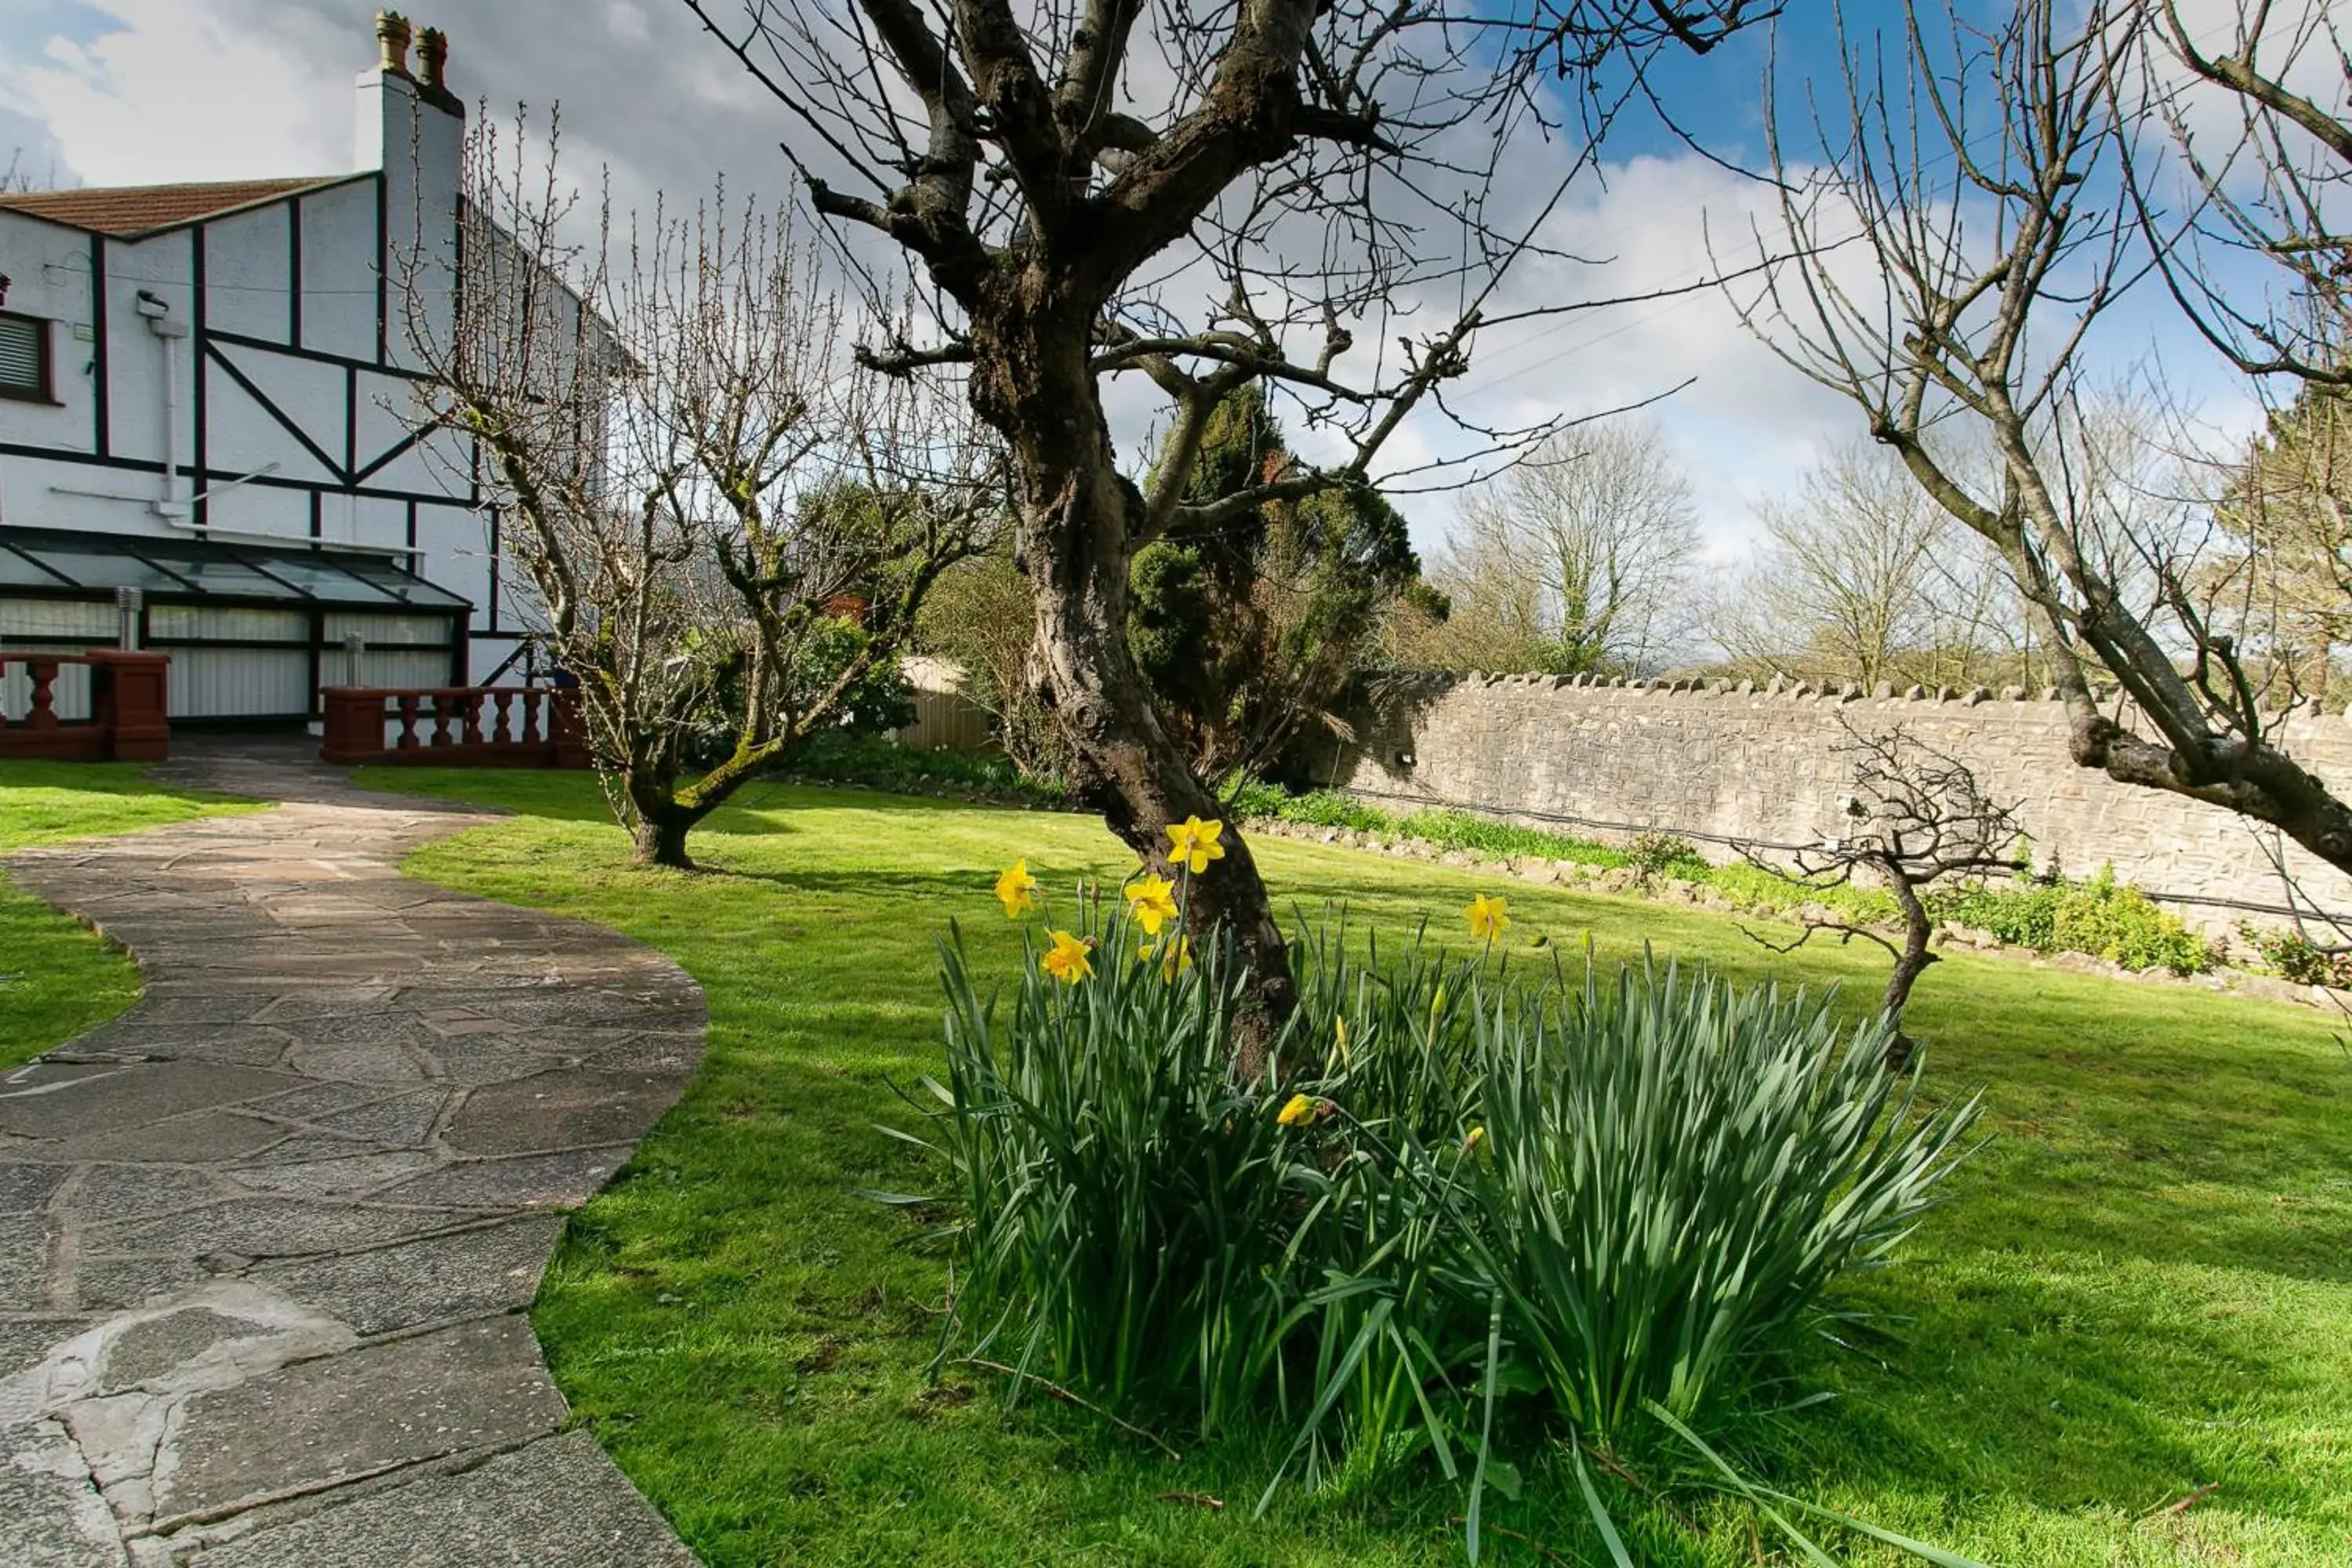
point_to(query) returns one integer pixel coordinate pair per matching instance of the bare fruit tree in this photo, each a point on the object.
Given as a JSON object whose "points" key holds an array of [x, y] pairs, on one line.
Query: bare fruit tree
{"points": [[1583, 555], [1203, 195], [1956, 238], [1914, 816], [2269, 183], [727, 527]]}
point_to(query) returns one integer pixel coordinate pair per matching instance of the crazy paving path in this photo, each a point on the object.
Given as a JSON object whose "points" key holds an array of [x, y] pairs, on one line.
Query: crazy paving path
{"points": [[266, 1240]]}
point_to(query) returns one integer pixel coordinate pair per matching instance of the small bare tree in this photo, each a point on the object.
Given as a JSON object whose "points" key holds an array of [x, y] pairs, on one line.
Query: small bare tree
{"points": [[724, 523], [1859, 576], [1583, 555], [1914, 816], [1979, 181], [1206, 196]]}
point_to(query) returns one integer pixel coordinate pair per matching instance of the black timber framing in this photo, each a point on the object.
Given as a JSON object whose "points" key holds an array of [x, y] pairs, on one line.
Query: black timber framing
{"points": [[101, 413]]}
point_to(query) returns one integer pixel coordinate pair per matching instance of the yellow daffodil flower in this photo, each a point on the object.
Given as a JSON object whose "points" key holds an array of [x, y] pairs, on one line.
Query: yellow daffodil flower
{"points": [[1339, 1037], [1070, 960], [1470, 1144], [1299, 1112], [1152, 901], [1175, 956], [1192, 844], [1015, 889], [1487, 918]]}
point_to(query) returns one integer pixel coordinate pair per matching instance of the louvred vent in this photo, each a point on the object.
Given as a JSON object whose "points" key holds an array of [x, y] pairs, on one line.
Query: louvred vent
{"points": [[20, 354]]}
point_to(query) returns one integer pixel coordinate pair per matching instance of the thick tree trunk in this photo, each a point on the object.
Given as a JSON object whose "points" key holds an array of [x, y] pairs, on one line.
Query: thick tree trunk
{"points": [[1080, 516], [661, 841], [659, 820]]}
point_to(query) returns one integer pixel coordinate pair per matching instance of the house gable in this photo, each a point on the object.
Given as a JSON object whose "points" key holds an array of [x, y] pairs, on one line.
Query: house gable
{"points": [[228, 360]]}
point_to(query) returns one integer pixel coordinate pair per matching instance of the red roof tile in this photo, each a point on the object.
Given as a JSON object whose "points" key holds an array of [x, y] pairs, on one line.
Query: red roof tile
{"points": [[126, 210]]}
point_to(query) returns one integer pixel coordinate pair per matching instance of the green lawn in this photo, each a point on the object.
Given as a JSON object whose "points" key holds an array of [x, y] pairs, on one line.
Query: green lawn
{"points": [[56, 978], [2141, 1288]]}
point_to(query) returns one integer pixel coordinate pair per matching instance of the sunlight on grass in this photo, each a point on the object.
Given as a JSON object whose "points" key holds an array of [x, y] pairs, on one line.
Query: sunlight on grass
{"points": [[2141, 1287], [57, 977]]}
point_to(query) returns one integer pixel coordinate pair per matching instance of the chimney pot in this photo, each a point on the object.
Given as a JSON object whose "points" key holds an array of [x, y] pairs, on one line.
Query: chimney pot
{"points": [[392, 36], [432, 57]]}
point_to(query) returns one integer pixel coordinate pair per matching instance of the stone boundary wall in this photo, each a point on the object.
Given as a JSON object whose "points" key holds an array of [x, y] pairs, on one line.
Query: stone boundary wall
{"points": [[1719, 762]]}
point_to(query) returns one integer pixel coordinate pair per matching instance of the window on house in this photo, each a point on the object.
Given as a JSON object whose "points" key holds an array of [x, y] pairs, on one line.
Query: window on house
{"points": [[24, 357]]}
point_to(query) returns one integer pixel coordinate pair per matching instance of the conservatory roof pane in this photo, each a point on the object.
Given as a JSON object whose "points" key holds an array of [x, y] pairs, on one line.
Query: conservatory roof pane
{"points": [[173, 568]]}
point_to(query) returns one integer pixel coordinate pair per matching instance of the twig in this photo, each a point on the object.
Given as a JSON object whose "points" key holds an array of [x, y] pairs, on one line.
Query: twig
{"points": [[1056, 1391], [1198, 1500], [1617, 1467], [1553, 1552], [2185, 1504]]}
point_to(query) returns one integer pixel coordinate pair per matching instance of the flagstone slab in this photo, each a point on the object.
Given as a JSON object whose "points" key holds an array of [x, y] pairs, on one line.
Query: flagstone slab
{"points": [[376, 1408], [461, 1274], [555, 1110], [199, 1139], [25, 1188], [339, 1174], [50, 1513], [266, 1240], [262, 1227], [555, 1504], [58, 1101], [123, 1284], [563, 1179]]}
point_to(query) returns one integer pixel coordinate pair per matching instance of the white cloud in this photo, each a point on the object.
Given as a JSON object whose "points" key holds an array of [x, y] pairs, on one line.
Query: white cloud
{"points": [[174, 95], [626, 22]]}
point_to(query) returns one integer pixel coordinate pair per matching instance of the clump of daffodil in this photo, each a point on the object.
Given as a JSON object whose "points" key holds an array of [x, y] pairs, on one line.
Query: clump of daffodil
{"points": [[1152, 901], [1192, 844], [1070, 960], [1017, 890], [1175, 956], [1487, 918]]}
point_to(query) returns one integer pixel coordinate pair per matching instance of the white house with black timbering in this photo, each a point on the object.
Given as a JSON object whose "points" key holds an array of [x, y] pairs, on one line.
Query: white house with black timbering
{"points": [[208, 426]]}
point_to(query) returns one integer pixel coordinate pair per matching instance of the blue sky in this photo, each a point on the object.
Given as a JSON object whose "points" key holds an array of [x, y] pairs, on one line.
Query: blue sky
{"points": [[122, 91]]}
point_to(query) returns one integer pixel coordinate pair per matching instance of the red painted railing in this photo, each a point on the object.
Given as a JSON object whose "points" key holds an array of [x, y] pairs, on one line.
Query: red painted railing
{"points": [[453, 726], [128, 709]]}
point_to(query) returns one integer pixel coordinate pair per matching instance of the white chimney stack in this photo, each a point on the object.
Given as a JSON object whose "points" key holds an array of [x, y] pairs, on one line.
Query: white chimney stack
{"points": [[412, 128]]}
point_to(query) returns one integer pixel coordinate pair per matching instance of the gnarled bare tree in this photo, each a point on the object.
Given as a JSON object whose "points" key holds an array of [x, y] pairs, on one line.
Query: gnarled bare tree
{"points": [[1914, 816], [1203, 193], [721, 518], [1957, 236]]}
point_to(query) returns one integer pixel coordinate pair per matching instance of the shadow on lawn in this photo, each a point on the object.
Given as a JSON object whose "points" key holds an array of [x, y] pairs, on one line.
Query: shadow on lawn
{"points": [[2037, 1378]]}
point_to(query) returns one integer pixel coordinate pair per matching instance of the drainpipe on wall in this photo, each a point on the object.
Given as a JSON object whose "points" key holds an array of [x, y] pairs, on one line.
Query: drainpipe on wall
{"points": [[159, 322]]}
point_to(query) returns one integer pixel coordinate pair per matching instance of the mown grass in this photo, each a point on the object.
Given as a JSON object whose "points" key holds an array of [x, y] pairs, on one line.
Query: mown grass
{"points": [[2142, 1286], [57, 978]]}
